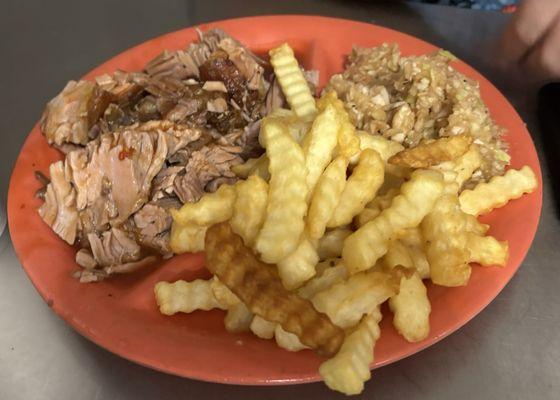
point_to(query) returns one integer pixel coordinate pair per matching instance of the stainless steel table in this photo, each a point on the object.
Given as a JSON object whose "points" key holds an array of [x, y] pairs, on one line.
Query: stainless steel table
{"points": [[511, 350]]}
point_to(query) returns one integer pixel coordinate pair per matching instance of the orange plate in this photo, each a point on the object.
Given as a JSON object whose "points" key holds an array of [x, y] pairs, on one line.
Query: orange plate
{"points": [[120, 314]]}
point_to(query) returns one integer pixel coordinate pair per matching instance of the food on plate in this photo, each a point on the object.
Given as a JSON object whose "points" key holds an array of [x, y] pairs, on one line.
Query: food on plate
{"points": [[349, 369], [319, 143], [326, 197], [313, 212], [411, 308], [182, 296], [361, 187], [498, 191], [285, 211], [257, 284], [139, 144], [249, 208], [299, 266], [339, 222], [292, 81], [431, 152], [370, 242], [330, 245], [211, 209], [347, 302], [409, 99]]}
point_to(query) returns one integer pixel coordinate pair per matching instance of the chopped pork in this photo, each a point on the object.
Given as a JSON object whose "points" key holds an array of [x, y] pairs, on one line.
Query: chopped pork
{"points": [[138, 144]]}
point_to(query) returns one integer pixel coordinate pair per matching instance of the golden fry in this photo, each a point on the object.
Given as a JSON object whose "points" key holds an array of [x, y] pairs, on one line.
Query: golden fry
{"points": [[187, 238], [211, 209], [238, 318], [414, 242], [249, 208], [350, 368], [460, 170], [244, 170], [360, 188], [397, 254], [258, 286], [318, 145], [330, 245], [364, 247], [324, 280], [411, 308], [445, 232], [299, 266], [284, 221], [347, 302], [291, 80], [326, 197], [287, 341], [262, 328], [348, 141], [498, 191], [487, 251], [374, 207], [222, 293], [429, 153], [186, 297]]}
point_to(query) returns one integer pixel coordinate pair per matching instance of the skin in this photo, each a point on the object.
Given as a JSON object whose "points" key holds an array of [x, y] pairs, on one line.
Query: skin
{"points": [[530, 44]]}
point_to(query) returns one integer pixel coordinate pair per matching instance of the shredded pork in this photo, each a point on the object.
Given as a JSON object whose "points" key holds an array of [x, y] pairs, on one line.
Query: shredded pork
{"points": [[140, 143]]}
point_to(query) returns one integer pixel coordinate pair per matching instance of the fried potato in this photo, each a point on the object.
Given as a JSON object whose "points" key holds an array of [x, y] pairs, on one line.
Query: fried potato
{"points": [[318, 145], [324, 280], [262, 328], [299, 266], [347, 302], [238, 318], [186, 297], [498, 191], [364, 247], [386, 149], [287, 341], [360, 188], [211, 209], [348, 141], [258, 286], [244, 170], [187, 238], [460, 170], [414, 242], [433, 152], [411, 308], [374, 207], [476, 227], [350, 368], [487, 251], [330, 245], [287, 190], [293, 83], [249, 208], [326, 197], [222, 294], [253, 166], [397, 254], [365, 216], [445, 232], [297, 126]]}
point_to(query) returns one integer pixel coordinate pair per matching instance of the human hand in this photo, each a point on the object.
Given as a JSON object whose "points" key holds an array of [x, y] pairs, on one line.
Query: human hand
{"points": [[530, 44]]}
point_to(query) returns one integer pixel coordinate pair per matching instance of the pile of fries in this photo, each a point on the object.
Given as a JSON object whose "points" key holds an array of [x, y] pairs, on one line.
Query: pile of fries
{"points": [[329, 224]]}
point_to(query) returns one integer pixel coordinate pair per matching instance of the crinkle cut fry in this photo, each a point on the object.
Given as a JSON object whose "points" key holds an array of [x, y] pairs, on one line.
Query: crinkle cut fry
{"points": [[257, 284]]}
